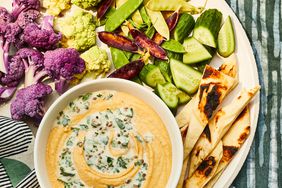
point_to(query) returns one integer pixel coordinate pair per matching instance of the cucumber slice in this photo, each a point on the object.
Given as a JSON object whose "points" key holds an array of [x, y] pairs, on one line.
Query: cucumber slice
{"points": [[183, 97], [152, 75], [164, 68], [173, 55], [170, 99], [226, 39], [196, 52], [184, 76], [184, 27], [207, 27]]}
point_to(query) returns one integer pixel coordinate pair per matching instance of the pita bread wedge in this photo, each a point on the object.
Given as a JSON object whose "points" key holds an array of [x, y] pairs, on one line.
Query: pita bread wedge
{"points": [[228, 68], [214, 179], [207, 169], [228, 73], [213, 88], [232, 142], [218, 126]]}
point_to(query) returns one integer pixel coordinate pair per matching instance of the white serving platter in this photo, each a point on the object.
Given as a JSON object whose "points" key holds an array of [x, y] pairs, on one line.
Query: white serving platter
{"points": [[248, 78]]}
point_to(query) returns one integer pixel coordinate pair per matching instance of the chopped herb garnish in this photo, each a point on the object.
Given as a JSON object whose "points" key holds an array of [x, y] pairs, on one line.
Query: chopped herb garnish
{"points": [[69, 142], [65, 120], [71, 104], [121, 162], [86, 96], [109, 96], [63, 173], [120, 123], [139, 138], [139, 162], [110, 161], [83, 126]]}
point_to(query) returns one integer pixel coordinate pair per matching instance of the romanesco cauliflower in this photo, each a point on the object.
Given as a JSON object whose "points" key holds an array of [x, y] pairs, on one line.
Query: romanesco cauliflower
{"points": [[86, 3], [78, 29], [96, 61], [55, 7]]}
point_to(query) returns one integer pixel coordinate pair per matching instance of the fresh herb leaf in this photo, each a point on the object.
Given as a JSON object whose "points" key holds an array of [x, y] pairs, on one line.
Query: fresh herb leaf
{"points": [[63, 173], [121, 162], [120, 123]]}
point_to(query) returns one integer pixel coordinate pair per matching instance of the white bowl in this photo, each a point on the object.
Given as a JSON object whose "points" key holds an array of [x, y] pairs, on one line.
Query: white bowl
{"points": [[108, 84]]}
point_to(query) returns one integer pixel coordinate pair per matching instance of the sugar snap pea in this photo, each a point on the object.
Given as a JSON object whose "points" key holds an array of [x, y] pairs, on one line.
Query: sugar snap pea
{"points": [[173, 55], [150, 32], [159, 23], [171, 22], [118, 57], [145, 16], [121, 14], [173, 5], [173, 46]]}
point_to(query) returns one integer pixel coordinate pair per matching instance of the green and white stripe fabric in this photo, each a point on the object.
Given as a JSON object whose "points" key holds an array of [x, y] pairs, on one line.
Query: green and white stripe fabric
{"points": [[16, 151], [262, 20]]}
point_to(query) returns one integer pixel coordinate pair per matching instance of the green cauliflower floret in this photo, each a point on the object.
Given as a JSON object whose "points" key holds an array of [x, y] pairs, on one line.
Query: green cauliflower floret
{"points": [[55, 7], [78, 29], [86, 3], [96, 61]]}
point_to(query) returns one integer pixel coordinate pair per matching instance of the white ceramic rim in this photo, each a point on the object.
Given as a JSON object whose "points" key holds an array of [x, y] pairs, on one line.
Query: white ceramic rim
{"points": [[155, 102]]}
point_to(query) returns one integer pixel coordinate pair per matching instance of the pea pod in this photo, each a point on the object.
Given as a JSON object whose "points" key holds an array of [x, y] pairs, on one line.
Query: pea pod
{"points": [[158, 39], [150, 32], [121, 14], [173, 5], [117, 41], [103, 8], [171, 22], [145, 16], [159, 23], [128, 71], [144, 42], [173, 46], [118, 57]]}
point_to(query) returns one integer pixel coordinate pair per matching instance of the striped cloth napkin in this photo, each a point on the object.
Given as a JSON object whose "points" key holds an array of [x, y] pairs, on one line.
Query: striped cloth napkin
{"points": [[16, 155]]}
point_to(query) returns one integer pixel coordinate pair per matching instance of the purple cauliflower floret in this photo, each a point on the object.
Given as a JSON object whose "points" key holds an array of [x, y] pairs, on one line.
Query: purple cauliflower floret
{"points": [[62, 65], [43, 36], [13, 30], [6, 93], [24, 5], [27, 17], [5, 20], [15, 73], [33, 62], [29, 102]]}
